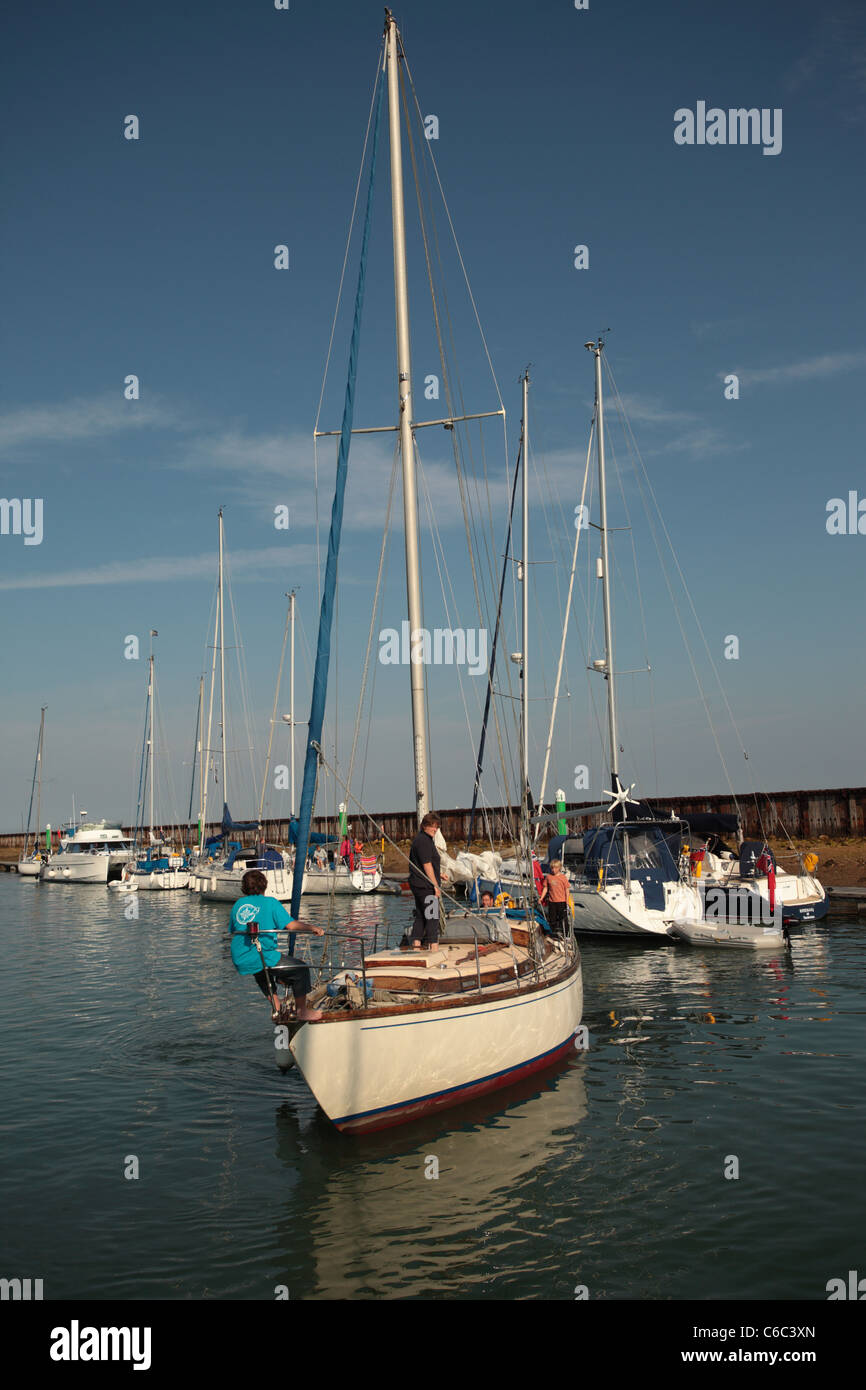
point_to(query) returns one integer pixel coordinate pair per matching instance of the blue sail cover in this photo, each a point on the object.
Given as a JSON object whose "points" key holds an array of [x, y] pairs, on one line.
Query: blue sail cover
{"points": [[326, 614], [229, 824], [314, 838]]}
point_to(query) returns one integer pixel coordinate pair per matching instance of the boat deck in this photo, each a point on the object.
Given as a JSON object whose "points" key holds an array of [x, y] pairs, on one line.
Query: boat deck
{"points": [[405, 979], [450, 969]]}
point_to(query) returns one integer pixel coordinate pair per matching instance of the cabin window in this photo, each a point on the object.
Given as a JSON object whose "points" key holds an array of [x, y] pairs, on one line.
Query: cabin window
{"points": [[643, 851]]}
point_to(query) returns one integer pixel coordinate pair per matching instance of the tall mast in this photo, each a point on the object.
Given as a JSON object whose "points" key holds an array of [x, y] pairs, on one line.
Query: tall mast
{"points": [[37, 773], [607, 666], [287, 718], [150, 738], [202, 770], [407, 443], [524, 636], [196, 754], [222, 665], [207, 745], [293, 808], [39, 778]]}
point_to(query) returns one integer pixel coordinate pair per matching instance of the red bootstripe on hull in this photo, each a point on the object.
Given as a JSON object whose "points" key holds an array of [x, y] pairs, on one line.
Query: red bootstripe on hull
{"points": [[366, 1124]]}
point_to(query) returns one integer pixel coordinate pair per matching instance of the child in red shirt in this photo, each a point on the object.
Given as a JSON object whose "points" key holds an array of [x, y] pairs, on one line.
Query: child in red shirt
{"points": [[555, 894]]}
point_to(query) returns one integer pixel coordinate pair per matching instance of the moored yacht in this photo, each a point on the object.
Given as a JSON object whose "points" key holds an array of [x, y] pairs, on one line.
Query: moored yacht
{"points": [[750, 886], [626, 877], [91, 853], [30, 862], [222, 881]]}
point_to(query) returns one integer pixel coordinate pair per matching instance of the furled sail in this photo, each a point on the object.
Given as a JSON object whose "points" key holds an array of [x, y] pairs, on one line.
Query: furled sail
{"points": [[326, 614]]}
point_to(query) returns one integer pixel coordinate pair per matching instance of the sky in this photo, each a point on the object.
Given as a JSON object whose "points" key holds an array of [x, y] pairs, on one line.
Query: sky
{"points": [[155, 257]]}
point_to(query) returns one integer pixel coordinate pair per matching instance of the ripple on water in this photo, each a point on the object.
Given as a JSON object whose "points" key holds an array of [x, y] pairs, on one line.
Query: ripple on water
{"points": [[608, 1172]]}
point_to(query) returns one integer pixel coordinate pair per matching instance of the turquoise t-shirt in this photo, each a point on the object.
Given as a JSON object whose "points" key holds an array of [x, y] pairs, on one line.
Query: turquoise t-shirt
{"points": [[270, 914]]}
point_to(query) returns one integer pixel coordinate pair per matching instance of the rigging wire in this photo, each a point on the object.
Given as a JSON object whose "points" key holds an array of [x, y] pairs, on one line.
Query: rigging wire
{"points": [[468, 517], [375, 609], [379, 60], [242, 677], [573, 571], [442, 570], [274, 712], [704, 700]]}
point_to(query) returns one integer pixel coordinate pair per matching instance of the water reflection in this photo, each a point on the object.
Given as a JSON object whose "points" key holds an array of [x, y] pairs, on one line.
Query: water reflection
{"points": [[607, 1171], [377, 1225]]}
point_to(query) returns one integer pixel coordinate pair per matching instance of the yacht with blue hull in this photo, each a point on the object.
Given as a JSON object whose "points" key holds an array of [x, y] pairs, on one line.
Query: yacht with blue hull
{"points": [[750, 886]]}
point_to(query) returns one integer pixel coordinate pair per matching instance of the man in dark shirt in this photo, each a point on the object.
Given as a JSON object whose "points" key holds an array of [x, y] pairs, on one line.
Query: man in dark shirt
{"points": [[424, 880]]}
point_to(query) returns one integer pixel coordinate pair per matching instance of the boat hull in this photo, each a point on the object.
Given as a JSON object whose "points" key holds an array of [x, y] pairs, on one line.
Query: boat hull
{"points": [[328, 881], [795, 913], [29, 868], [161, 879], [372, 1073], [798, 897], [75, 868], [730, 936], [225, 886], [614, 912]]}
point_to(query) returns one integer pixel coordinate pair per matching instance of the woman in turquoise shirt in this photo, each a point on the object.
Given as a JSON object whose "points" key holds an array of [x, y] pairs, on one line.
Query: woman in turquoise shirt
{"points": [[256, 918]]}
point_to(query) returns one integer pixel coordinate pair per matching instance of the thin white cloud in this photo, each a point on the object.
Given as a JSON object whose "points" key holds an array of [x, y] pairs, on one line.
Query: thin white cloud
{"points": [[646, 410], [828, 364], [715, 328], [262, 471], [701, 443], [81, 419], [168, 569]]}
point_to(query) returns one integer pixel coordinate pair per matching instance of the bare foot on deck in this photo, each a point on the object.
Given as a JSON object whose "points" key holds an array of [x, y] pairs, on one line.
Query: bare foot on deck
{"points": [[307, 1015]]}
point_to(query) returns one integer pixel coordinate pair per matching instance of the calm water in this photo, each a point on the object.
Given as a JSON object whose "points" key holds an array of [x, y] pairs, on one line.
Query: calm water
{"points": [[136, 1037]]}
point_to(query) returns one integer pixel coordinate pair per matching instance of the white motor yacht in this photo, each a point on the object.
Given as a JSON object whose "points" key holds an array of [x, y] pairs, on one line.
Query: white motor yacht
{"points": [[92, 853]]}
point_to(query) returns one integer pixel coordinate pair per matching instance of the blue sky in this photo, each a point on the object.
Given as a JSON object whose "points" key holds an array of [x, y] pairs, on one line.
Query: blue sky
{"points": [[155, 257]]}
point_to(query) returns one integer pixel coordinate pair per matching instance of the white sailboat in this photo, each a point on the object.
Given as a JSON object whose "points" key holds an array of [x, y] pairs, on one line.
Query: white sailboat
{"points": [[163, 865], [634, 875], [497, 1000], [337, 878], [30, 862], [627, 881], [218, 876]]}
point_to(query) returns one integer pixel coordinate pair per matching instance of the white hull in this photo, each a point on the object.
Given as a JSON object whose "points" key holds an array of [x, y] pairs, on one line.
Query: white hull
{"points": [[75, 868], [161, 879], [801, 896], [730, 935], [370, 1072], [225, 885], [340, 880], [614, 912], [29, 868]]}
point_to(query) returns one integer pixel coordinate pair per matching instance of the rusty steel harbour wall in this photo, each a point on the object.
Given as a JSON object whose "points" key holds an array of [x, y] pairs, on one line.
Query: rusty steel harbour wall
{"points": [[837, 812]]}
